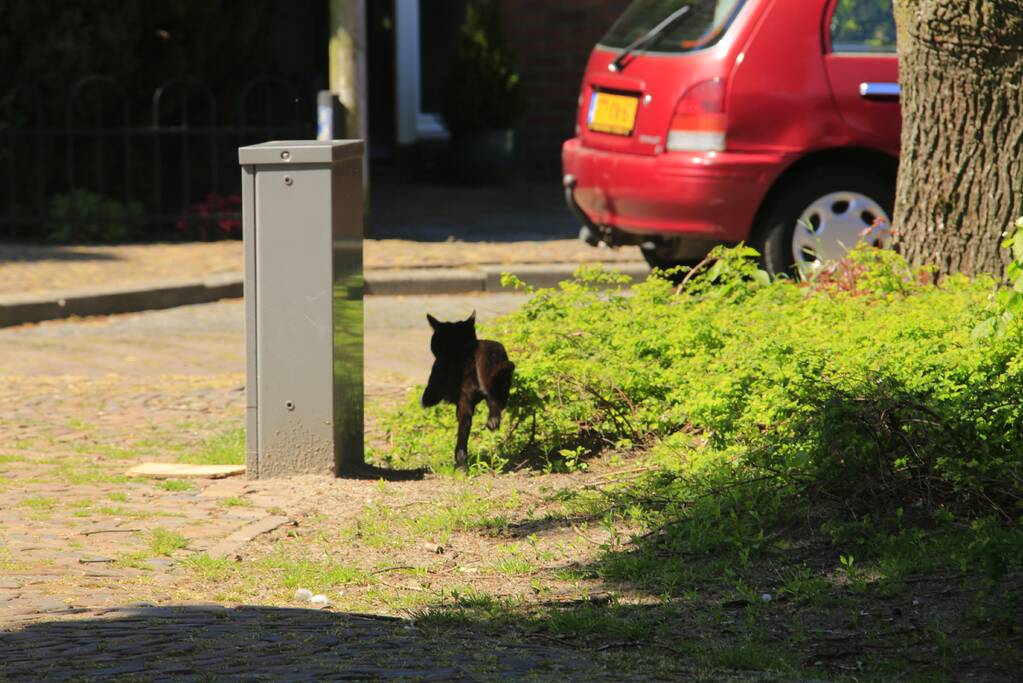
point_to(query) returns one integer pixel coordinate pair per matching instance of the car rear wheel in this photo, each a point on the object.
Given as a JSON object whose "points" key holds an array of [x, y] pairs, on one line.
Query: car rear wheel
{"points": [[671, 252], [821, 214]]}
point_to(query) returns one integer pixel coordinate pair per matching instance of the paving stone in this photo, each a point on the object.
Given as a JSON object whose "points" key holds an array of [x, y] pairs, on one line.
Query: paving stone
{"points": [[99, 573], [160, 563], [50, 605], [122, 669], [164, 470], [250, 531]]}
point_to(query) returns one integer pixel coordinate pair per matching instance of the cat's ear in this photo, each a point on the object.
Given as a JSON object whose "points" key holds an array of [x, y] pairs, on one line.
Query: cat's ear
{"points": [[472, 318], [433, 321]]}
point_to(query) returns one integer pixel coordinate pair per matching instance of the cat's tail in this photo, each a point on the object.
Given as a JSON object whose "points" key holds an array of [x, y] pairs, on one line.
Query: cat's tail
{"points": [[500, 385]]}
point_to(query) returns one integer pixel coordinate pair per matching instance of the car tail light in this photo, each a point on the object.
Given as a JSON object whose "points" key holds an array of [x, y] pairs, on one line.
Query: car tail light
{"points": [[698, 123]]}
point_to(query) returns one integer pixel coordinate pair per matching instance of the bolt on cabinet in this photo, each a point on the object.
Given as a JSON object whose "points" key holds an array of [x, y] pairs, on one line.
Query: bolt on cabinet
{"points": [[302, 213]]}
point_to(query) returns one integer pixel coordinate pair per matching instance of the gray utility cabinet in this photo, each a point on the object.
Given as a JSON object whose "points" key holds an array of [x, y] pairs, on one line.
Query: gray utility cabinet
{"points": [[302, 217]]}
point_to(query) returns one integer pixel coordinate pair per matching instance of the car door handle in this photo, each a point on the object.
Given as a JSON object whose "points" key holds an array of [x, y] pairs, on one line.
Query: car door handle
{"points": [[880, 91]]}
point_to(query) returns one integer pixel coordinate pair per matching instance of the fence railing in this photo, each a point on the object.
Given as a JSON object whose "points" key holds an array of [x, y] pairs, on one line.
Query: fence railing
{"points": [[88, 167]]}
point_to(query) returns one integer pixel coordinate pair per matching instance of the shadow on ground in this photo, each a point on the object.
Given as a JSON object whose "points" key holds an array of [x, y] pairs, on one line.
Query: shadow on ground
{"points": [[199, 643], [373, 472], [35, 253]]}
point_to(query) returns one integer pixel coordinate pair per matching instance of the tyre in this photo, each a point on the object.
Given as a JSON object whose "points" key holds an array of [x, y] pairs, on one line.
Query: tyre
{"points": [[822, 213], [669, 253]]}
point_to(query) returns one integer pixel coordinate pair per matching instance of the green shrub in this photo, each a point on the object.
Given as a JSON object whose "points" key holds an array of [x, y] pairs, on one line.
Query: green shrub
{"points": [[86, 217], [863, 389]]}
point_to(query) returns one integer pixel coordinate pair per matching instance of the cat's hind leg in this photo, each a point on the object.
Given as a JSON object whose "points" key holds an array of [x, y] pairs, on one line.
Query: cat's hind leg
{"points": [[434, 392], [463, 411], [497, 393]]}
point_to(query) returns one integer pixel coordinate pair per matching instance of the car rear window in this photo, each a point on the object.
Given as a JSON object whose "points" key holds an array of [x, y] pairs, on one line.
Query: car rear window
{"points": [[703, 26]]}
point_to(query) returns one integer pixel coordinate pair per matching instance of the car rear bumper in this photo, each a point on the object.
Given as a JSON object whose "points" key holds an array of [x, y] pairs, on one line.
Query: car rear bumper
{"points": [[707, 195]]}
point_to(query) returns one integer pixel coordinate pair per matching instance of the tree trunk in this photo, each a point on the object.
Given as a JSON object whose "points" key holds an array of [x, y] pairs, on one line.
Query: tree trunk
{"points": [[348, 63], [961, 167]]}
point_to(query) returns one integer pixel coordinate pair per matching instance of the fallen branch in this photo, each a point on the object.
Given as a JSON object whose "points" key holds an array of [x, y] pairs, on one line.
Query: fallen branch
{"points": [[393, 569], [585, 537], [109, 531], [402, 588]]}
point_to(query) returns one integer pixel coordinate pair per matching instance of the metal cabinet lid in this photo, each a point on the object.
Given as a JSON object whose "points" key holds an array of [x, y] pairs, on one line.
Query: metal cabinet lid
{"points": [[299, 152]]}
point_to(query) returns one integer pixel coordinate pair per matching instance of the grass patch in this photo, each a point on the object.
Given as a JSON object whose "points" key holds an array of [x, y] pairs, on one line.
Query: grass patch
{"points": [[118, 511], [135, 560], [106, 451], [82, 507], [274, 578], [163, 542], [9, 564], [512, 560], [465, 511], [319, 577], [176, 485], [748, 656], [208, 568], [233, 502], [39, 503], [227, 448], [375, 528], [76, 475]]}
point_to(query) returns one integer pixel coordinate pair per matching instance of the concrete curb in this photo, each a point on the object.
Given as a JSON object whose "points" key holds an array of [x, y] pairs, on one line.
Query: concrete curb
{"points": [[16, 310], [421, 281], [20, 309]]}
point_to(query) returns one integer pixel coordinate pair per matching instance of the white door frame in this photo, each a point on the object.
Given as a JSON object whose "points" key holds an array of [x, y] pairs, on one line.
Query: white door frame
{"points": [[412, 123]]}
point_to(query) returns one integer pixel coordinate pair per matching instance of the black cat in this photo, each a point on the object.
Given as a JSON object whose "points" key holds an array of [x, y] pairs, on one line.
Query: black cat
{"points": [[466, 371]]}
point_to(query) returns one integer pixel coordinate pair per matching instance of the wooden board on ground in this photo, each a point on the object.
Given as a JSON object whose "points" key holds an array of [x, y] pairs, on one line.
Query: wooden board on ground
{"points": [[172, 470]]}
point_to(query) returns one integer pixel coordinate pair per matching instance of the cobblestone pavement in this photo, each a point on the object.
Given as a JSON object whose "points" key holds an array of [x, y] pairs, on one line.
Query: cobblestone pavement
{"points": [[209, 643], [28, 269]]}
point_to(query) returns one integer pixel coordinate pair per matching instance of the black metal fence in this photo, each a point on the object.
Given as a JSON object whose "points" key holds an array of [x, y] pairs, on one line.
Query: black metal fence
{"points": [[86, 167]]}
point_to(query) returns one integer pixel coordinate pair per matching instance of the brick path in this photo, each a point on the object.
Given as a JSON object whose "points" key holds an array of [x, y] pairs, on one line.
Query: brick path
{"points": [[82, 401], [28, 269], [207, 643], [79, 404]]}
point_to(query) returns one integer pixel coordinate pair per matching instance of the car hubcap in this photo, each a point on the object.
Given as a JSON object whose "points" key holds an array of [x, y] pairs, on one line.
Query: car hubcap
{"points": [[834, 223]]}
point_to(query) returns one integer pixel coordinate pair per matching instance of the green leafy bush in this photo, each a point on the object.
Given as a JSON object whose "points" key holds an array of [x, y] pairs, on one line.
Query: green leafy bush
{"points": [[84, 216], [863, 389], [1008, 301]]}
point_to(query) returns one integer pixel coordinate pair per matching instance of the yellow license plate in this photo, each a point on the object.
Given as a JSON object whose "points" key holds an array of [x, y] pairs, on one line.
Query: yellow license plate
{"points": [[615, 114]]}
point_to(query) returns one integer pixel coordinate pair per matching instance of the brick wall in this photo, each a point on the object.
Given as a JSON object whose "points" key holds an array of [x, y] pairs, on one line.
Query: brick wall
{"points": [[552, 40]]}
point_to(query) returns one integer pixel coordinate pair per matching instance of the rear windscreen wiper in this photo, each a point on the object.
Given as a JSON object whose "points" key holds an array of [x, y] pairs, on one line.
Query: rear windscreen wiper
{"points": [[668, 22]]}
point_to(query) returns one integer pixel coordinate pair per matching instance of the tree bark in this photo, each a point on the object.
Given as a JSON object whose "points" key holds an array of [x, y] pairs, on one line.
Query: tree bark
{"points": [[961, 166], [348, 63]]}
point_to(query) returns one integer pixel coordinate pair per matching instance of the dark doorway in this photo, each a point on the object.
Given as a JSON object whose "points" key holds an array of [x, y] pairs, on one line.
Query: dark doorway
{"points": [[381, 67], [438, 33]]}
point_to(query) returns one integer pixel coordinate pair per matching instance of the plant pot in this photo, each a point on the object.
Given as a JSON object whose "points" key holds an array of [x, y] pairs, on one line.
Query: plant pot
{"points": [[483, 156]]}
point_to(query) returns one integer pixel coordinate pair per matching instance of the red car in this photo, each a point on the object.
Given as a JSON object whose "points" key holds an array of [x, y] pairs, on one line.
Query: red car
{"points": [[707, 122]]}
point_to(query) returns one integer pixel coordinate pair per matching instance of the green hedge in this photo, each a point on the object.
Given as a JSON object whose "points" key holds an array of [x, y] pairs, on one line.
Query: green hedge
{"points": [[866, 387]]}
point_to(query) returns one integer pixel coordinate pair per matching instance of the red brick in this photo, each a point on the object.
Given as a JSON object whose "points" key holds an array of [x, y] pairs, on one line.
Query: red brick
{"points": [[553, 40]]}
